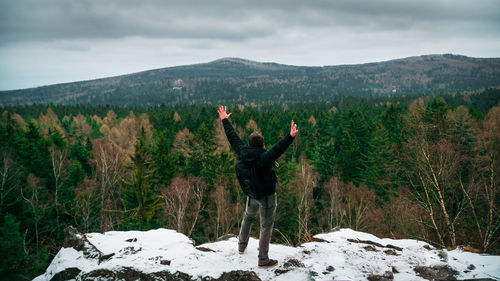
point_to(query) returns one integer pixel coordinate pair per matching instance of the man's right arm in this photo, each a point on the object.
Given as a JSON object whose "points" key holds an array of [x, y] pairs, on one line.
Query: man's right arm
{"points": [[280, 147], [231, 135]]}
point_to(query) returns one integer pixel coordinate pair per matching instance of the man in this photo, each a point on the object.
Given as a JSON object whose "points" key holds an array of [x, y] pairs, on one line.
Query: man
{"points": [[265, 203]]}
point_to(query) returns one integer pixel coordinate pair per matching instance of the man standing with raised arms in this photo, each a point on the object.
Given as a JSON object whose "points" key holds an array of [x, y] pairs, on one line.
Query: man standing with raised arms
{"points": [[264, 200]]}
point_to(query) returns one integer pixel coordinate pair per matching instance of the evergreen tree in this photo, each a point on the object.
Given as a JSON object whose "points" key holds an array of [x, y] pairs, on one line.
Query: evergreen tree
{"points": [[351, 146], [163, 160], [323, 159], [140, 201], [34, 153], [380, 163], [393, 122], [11, 248], [201, 159], [80, 151], [348, 157]]}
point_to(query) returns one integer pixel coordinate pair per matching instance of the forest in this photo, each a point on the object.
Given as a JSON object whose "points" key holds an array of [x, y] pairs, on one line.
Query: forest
{"points": [[419, 167]]}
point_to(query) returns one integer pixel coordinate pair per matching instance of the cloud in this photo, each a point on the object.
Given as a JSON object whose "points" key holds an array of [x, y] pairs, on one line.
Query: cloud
{"points": [[230, 20], [52, 41]]}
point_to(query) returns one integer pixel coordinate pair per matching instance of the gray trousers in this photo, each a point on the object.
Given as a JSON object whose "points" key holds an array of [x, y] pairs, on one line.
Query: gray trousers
{"points": [[267, 210]]}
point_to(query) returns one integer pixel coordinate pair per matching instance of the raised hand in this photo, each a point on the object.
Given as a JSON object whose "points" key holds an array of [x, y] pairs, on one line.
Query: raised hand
{"points": [[293, 129], [222, 112]]}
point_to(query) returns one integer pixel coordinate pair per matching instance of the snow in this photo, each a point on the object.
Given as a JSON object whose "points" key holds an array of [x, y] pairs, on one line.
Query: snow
{"points": [[351, 261]]}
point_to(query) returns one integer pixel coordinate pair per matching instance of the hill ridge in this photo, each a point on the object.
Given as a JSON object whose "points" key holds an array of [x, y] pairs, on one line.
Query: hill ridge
{"points": [[239, 80]]}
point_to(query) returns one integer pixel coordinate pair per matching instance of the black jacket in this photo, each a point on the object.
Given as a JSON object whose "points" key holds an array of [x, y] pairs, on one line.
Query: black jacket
{"points": [[263, 159]]}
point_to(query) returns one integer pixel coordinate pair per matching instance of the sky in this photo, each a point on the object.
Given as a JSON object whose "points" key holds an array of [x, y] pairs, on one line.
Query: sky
{"points": [[45, 42]]}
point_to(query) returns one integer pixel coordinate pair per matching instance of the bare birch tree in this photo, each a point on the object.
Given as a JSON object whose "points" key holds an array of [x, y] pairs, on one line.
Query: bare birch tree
{"points": [[60, 163], [489, 166], [334, 188], [109, 161], [183, 202], [31, 195], [435, 176], [224, 212], [85, 198], [305, 182], [357, 203]]}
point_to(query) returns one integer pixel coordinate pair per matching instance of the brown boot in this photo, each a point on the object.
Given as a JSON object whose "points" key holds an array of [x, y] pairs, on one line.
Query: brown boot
{"points": [[270, 263]]}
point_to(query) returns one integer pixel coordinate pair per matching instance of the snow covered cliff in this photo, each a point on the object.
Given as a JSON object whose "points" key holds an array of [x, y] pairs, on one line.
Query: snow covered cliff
{"points": [[164, 254]]}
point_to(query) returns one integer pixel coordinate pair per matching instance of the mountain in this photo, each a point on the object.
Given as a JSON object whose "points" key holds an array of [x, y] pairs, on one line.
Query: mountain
{"points": [[234, 80], [343, 254]]}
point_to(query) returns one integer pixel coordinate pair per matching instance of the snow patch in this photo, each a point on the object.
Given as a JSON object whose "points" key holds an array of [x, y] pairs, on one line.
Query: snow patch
{"points": [[334, 258]]}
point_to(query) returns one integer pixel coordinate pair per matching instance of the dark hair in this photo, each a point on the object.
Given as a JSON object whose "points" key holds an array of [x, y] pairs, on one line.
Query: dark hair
{"points": [[256, 139]]}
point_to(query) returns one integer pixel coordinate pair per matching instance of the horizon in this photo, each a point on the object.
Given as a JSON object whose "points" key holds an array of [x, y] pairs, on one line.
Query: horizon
{"points": [[241, 58], [56, 41]]}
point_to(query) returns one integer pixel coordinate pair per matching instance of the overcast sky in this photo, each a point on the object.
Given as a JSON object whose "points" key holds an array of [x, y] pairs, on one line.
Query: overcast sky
{"points": [[52, 41]]}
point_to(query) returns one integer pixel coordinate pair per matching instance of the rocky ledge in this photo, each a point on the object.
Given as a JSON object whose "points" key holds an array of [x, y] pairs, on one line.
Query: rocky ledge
{"points": [[164, 254]]}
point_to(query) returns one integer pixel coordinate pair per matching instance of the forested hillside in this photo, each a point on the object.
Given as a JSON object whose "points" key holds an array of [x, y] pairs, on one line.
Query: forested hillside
{"points": [[238, 81], [425, 168]]}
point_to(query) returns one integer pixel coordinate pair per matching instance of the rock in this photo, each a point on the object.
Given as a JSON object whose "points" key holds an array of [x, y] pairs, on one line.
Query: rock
{"points": [[436, 272], [280, 271], [130, 250], [471, 267], [238, 275], [394, 247], [79, 242], [131, 274], [370, 248], [443, 255], [288, 265], [387, 276], [204, 249], [165, 262], [226, 237], [315, 239], [67, 274], [106, 257], [480, 279], [427, 247], [391, 252], [394, 270], [330, 268], [101, 274], [131, 240], [293, 263], [168, 276], [375, 244]]}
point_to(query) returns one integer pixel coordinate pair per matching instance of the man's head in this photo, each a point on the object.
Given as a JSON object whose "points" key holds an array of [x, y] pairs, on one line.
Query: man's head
{"points": [[256, 140]]}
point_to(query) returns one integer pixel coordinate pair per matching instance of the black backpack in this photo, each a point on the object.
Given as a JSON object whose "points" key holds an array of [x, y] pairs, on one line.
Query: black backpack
{"points": [[249, 181]]}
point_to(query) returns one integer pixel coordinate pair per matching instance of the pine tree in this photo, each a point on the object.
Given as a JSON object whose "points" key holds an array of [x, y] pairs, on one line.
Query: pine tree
{"points": [[201, 159], [11, 248], [348, 157], [139, 199], [163, 159], [380, 163]]}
